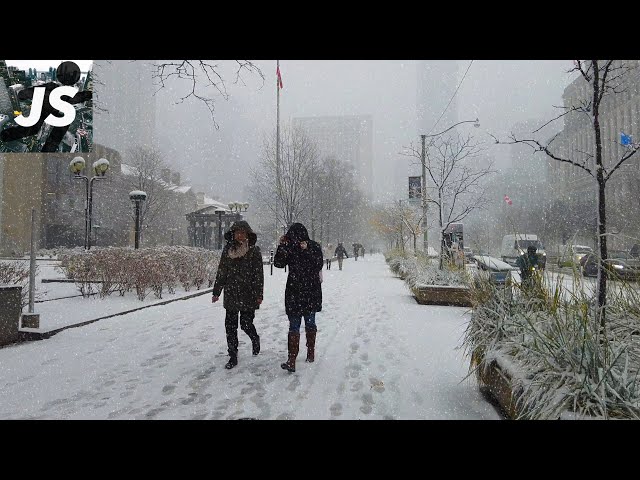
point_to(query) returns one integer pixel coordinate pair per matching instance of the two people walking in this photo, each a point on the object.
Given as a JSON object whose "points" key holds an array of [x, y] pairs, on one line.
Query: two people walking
{"points": [[241, 276]]}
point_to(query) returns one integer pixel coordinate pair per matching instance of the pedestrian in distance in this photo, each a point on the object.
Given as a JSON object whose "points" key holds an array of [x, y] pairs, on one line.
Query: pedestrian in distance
{"points": [[328, 255], [241, 276], [303, 294], [340, 253]]}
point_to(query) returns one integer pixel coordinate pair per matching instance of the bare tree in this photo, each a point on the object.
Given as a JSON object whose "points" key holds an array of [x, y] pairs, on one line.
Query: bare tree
{"points": [[199, 75], [387, 225], [604, 79], [454, 179], [146, 165], [298, 156], [411, 218]]}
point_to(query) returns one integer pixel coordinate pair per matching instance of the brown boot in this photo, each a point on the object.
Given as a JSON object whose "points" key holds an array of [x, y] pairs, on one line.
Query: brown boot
{"points": [[311, 345], [293, 345]]}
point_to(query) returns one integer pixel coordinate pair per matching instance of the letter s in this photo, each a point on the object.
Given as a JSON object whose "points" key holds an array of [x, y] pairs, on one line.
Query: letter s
{"points": [[69, 113], [36, 109]]}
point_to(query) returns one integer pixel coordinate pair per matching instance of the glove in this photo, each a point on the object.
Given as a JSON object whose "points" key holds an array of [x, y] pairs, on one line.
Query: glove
{"points": [[214, 299]]}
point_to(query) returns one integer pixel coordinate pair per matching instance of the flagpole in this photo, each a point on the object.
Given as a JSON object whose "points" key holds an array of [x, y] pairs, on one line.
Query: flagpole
{"points": [[278, 149]]}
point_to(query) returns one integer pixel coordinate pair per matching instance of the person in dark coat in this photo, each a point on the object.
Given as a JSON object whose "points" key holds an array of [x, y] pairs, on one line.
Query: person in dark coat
{"points": [[340, 252], [303, 294], [241, 276], [528, 263]]}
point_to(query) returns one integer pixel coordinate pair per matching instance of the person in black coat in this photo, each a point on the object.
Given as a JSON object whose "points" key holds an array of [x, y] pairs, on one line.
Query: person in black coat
{"points": [[340, 252], [241, 275], [303, 294]]}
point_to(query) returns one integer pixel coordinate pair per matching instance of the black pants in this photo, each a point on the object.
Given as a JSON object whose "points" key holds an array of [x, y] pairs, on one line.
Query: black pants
{"points": [[231, 327]]}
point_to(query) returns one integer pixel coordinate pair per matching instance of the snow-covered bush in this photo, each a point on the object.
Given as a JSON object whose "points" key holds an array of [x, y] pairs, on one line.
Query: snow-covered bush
{"points": [[558, 356], [420, 270], [144, 270]]}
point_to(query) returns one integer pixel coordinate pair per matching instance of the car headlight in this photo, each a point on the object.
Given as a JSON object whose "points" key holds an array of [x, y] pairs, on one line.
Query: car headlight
{"points": [[619, 267]]}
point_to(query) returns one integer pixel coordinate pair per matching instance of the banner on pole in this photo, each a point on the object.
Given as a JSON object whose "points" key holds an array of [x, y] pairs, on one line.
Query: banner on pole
{"points": [[415, 188]]}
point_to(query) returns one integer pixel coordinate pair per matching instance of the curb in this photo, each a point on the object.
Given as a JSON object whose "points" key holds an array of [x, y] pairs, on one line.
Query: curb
{"points": [[31, 336]]}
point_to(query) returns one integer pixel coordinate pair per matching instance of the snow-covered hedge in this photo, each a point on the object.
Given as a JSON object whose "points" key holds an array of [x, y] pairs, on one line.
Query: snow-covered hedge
{"points": [[145, 270], [419, 271], [558, 356]]}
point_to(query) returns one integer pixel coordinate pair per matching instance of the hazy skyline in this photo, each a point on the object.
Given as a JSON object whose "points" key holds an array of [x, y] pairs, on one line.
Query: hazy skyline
{"points": [[500, 93]]}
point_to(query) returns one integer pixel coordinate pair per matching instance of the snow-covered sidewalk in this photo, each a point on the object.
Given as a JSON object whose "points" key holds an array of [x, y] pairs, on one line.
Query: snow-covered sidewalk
{"points": [[379, 355]]}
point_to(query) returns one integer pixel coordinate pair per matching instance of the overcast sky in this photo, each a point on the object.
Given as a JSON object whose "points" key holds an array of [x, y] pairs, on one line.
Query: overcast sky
{"points": [[500, 93]]}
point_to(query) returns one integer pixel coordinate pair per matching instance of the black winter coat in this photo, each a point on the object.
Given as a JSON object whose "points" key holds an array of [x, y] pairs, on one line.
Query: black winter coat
{"points": [[241, 278], [303, 294]]}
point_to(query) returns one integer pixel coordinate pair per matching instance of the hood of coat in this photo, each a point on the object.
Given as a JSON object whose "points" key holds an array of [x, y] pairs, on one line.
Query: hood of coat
{"points": [[298, 233], [241, 225]]}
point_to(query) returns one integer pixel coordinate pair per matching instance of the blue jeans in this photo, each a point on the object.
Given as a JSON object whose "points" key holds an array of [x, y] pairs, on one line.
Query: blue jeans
{"points": [[309, 323]]}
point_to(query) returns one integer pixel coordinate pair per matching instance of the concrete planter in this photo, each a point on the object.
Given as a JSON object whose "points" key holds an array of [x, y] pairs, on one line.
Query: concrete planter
{"points": [[442, 295], [10, 309], [499, 384]]}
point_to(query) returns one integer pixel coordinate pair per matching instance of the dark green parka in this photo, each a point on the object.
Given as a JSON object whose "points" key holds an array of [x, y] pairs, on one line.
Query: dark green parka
{"points": [[242, 279]]}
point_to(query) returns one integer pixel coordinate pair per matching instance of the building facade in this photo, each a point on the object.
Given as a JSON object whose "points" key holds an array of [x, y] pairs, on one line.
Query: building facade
{"points": [[348, 138], [619, 114]]}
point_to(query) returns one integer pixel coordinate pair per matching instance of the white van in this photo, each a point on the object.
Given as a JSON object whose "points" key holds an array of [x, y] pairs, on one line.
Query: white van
{"points": [[515, 245]]}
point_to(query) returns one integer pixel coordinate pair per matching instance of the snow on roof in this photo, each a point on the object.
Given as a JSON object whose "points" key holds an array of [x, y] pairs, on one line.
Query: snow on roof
{"points": [[208, 201], [130, 171], [180, 188]]}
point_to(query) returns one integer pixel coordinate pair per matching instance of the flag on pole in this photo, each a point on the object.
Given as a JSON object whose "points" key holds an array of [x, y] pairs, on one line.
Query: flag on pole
{"points": [[625, 139], [279, 80], [508, 200]]}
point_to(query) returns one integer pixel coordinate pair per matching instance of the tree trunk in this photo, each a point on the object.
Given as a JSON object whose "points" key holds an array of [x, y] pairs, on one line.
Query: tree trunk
{"points": [[601, 288]]}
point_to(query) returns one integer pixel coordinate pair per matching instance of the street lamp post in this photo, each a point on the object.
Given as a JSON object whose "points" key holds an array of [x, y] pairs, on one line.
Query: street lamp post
{"points": [[423, 160], [238, 208], [220, 212], [100, 168], [137, 197]]}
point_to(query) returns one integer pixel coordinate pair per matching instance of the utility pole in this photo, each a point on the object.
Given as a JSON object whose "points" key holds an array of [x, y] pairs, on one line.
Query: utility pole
{"points": [[424, 196]]}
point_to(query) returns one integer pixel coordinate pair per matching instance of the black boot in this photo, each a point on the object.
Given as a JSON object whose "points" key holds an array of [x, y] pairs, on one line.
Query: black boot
{"points": [[247, 326], [255, 345], [233, 361], [293, 344]]}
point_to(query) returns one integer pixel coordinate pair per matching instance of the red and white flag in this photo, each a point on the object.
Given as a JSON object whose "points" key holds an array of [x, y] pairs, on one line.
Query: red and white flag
{"points": [[507, 199], [279, 79]]}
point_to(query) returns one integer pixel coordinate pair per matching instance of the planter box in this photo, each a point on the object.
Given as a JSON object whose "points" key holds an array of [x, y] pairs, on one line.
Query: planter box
{"points": [[442, 295], [498, 383]]}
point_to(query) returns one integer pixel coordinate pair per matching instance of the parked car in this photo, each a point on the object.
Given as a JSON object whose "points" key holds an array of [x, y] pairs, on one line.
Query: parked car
{"points": [[620, 265], [572, 254], [493, 268]]}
